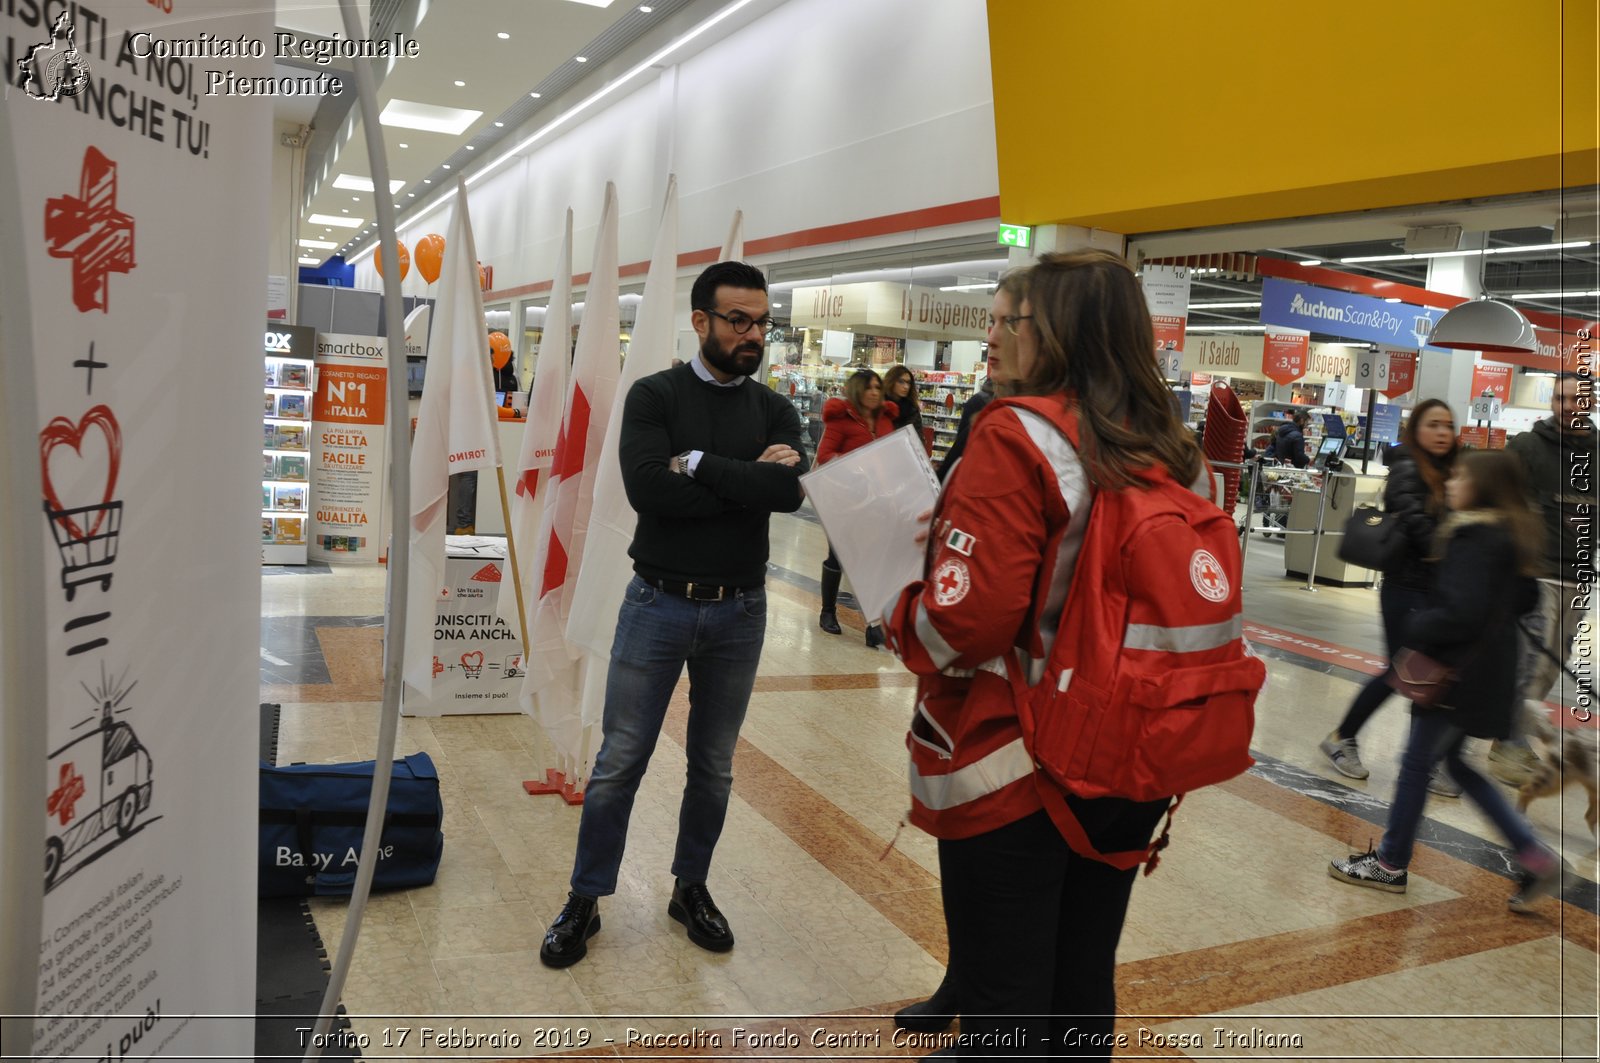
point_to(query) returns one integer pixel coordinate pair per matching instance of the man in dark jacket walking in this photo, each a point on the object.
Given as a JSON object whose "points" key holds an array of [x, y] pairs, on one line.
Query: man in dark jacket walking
{"points": [[1289, 443], [1564, 488]]}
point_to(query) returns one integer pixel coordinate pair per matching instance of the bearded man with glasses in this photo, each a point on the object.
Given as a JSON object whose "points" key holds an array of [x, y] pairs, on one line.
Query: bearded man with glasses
{"points": [[707, 456]]}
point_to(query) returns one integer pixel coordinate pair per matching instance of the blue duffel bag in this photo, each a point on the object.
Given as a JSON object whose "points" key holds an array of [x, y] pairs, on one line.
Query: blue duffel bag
{"points": [[312, 817]]}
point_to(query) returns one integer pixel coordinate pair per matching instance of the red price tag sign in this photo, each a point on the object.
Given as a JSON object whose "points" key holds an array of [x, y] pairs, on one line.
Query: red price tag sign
{"points": [[1402, 374], [1495, 379], [1284, 356]]}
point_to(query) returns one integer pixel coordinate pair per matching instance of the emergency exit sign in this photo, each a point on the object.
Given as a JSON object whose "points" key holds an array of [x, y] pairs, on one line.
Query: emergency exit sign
{"points": [[1014, 235]]}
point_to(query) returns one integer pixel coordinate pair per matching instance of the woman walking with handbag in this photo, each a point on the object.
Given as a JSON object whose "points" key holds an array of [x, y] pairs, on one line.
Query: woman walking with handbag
{"points": [[1414, 498], [1484, 582]]}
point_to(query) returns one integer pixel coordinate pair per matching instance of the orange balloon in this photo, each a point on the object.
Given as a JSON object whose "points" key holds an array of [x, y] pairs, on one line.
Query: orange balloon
{"points": [[405, 260], [430, 256], [499, 349]]}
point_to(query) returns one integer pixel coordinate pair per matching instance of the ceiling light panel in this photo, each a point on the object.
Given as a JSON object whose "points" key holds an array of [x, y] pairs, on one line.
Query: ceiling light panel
{"points": [[335, 219], [324, 244], [408, 114], [357, 183]]}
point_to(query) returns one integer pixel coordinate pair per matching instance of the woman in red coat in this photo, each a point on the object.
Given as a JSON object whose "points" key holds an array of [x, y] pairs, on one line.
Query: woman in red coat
{"points": [[857, 419]]}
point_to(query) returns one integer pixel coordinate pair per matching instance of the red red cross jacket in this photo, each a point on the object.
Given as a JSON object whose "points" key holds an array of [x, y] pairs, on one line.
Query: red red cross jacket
{"points": [[844, 430], [1001, 551]]}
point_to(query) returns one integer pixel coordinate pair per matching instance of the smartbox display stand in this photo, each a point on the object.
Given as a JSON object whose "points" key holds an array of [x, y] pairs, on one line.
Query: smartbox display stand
{"points": [[285, 443]]}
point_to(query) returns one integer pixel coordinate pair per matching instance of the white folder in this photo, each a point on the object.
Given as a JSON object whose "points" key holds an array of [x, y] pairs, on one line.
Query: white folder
{"points": [[869, 501]]}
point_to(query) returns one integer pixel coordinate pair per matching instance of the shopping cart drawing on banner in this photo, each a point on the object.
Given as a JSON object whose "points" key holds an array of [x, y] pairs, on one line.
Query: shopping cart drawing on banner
{"points": [[86, 556], [472, 664], [86, 536]]}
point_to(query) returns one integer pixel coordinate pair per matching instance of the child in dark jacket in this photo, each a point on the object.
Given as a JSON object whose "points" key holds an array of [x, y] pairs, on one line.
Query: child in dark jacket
{"points": [[1490, 547]]}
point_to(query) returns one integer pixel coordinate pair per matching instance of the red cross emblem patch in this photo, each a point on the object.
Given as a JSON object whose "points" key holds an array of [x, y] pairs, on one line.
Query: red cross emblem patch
{"points": [[1205, 572], [952, 582]]}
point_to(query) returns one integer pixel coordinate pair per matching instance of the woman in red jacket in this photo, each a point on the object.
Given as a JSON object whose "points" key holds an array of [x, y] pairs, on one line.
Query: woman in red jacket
{"points": [[858, 418], [1033, 925]]}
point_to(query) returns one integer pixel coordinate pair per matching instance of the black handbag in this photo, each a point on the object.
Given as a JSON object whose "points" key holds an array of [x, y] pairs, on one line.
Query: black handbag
{"points": [[1372, 539]]}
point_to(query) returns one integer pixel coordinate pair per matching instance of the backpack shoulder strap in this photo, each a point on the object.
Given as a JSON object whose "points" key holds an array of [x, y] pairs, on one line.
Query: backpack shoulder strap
{"points": [[1077, 839]]}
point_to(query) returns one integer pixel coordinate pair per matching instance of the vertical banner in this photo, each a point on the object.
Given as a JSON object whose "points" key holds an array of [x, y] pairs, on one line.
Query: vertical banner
{"points": [[349, 441], [1166, 292], [145, 358], [1494, 379], [1284, 354]]}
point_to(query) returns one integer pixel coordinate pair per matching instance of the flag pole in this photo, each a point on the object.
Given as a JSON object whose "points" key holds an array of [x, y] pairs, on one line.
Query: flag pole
{"points": [[516, 573]]}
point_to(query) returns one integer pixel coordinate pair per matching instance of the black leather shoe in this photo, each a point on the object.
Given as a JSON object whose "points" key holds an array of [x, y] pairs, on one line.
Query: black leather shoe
{"points": [[931, 1015], [692, 906], [829, 621], [567, 940], [874, 636]]}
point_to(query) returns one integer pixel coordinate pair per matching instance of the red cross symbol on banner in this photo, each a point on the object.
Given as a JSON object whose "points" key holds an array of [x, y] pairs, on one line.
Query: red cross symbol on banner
{"points": [[89, 229], [64, 798]]}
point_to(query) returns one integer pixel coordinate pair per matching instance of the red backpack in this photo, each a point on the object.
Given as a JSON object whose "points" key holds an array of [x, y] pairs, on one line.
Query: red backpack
{"points": [[1149, 690]]}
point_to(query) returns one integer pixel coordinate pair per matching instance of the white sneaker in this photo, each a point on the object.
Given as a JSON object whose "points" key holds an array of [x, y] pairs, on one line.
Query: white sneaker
{"points": [[1440, 782], [1346, 758]]}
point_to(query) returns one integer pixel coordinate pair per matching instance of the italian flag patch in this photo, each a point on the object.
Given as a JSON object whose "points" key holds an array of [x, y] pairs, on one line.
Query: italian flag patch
{"points": [[960, 542]]}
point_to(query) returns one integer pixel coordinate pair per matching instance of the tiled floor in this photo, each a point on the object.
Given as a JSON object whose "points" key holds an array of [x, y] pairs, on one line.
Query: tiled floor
{"points": [[1239, 945]]}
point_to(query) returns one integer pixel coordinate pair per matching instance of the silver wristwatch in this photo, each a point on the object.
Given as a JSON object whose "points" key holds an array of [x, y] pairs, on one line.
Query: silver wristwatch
{"points": [[680, 464]]}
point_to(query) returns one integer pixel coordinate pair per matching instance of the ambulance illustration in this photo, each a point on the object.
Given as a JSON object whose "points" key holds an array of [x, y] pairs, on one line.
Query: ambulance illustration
{"points": [[99, 784]]}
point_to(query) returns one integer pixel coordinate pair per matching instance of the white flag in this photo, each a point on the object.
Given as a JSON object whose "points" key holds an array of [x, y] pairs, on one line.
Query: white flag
{"points": [[565, 522], [606, 569], [540, 434], [455, 432]]}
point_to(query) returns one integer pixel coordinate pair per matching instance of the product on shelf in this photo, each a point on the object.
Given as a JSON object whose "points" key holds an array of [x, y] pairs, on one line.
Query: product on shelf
{"points": [[289, 530], [291, 467], [292, 406]]}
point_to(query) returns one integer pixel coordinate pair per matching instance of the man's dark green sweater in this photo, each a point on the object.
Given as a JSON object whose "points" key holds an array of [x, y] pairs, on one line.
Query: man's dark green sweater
{"points": [[711, 527]]}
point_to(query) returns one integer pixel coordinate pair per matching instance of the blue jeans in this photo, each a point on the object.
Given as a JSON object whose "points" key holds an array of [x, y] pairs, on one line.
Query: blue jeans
{"points": [[1397, 603], [657, 634], [1434, 736]]}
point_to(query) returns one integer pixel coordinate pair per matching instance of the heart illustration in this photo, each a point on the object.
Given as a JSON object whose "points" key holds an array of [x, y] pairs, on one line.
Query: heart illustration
{"points": [[62, 431], [473, 660]]}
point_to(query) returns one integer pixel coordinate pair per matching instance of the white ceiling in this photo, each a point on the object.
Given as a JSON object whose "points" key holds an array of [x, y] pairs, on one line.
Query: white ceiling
{"points": [[458, 40]]}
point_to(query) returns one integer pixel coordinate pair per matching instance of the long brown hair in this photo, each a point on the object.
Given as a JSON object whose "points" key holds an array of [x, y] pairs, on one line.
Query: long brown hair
{"points": [[1096, 344], [1433, 470], [891, 377], [856, 386], [1500, 487]]}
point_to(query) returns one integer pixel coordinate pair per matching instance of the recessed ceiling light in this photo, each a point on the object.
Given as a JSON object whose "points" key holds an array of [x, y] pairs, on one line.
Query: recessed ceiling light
{"points": [[646, 10], [777, 306], [407, 114], [503, 35], [310, 261], [347, 211], [461, 84], [318, 243], [447, 166], [427, 180], [329, 219], [535, 95], [580, 59], [411, 195], [1312, 262], [471, 148], [357, 183], [405, 145], [355, 199], [499, 125]]}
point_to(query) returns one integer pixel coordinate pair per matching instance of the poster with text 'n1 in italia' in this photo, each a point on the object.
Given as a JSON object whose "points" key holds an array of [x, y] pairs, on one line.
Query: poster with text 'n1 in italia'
{"points": [[348, 441]]}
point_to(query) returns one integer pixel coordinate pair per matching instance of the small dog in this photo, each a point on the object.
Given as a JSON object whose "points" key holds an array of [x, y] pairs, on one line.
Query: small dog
{"points": [[1576, 751]]}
